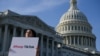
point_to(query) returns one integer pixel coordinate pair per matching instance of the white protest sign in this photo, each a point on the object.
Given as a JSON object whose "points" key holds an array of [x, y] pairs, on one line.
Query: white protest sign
{"points": [[22, 46]]}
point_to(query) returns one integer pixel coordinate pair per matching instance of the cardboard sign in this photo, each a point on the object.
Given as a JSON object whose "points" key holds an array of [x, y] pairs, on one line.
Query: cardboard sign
{"points": [[22, 46]]}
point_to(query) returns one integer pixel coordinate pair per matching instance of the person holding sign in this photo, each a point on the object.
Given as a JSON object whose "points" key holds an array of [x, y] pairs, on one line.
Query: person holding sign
{"points": [[25, 46], [31, 33]]}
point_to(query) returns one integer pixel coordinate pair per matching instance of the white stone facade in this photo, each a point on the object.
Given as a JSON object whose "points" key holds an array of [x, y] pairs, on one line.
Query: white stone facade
{"points": [[14, 25], [75, 28]]}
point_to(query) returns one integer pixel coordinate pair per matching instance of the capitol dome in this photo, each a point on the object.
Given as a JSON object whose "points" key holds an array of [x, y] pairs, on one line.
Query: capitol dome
{"points": [[75, 28], [73, 15]]}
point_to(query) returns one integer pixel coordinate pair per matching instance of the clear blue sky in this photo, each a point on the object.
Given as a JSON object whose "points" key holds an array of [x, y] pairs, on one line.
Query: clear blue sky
{"points": [[50, 11]]}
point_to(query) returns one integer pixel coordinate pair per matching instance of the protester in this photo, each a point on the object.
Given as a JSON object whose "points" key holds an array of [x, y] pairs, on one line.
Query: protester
{"points": [[31, 33]]}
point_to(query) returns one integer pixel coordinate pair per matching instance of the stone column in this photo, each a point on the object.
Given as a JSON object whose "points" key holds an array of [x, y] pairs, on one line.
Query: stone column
{"points": [[64, 40], [70, 28], [56, 49], [82, 40], [22, 32], [77, 40], [8, 40], [47, 46], [52, 47], [14, 31], [86, 41], [92, 42], [5, 38], [0, 38], [89, 41], [70, 40], [41, 44], [67, 28], [0, 33], [67, 40], [74, 40], [95, 43]]}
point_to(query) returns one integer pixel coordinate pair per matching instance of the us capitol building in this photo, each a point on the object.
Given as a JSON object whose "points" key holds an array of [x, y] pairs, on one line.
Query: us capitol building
{"points": [[73, 35]]}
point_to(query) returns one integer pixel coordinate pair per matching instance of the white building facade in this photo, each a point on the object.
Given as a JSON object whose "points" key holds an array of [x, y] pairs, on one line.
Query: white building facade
{"points": [[14, 25]]}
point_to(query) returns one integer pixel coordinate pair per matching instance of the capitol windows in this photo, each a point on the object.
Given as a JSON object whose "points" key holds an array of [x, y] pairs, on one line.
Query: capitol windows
{"points": [[72, 28], [68, 27], [72, 16], [75, 27], [78, 27], [65, 27], [49, 45], [87, 29], [75, 16], [82, 28]]}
